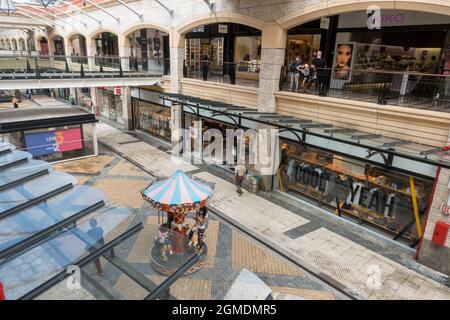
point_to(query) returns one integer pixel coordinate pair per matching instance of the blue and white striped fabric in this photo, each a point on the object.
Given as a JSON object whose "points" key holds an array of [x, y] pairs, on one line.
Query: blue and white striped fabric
{"points": [[178, 189]]}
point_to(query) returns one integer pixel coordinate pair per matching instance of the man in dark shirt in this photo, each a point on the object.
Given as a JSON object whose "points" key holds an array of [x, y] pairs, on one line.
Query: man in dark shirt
{"points": [[320, 64], [95, 233]]}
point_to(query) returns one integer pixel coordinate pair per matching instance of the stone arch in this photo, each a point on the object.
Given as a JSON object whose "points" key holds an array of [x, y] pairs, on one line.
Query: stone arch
{"points": [[139, 26], [14, 44], [342, 6], [220, 17], [22, 44], [102, 30]]}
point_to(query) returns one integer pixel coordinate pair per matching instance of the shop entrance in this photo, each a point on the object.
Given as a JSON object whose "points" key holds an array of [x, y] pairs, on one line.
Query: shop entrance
{"points": [[370, 195]]}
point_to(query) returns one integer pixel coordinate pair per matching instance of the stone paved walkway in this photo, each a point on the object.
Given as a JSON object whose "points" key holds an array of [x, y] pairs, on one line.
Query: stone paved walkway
{"points": [[362, 270]]}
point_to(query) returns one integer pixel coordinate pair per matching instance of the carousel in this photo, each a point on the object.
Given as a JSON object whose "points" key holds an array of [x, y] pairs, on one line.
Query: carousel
{"points": [[178, 197]]}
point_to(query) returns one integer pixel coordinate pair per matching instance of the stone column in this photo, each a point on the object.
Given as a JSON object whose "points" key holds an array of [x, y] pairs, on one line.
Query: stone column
{"points": [[176, 127], [126, 108], [431, 254], [267, 155], [273, 47], [90, 52], [177, 52], [94, 101], [124, 52]]}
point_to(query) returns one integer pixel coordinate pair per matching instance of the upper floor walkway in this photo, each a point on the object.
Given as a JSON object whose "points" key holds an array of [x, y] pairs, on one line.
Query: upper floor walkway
{"points": [[19, 71]]}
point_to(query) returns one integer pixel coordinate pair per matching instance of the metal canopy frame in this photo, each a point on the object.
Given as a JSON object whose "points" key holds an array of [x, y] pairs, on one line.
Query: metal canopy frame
{"points": [[388, 153], [104, 10], [140, 15], [69, 15], [81, 10], [210, 4], [40, 16], [82, 262], [44, 11], [170, 11], [37, 19]]}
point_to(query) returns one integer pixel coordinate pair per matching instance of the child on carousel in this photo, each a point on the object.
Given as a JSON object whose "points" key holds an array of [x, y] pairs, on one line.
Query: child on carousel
{"points": [[197, 234]]}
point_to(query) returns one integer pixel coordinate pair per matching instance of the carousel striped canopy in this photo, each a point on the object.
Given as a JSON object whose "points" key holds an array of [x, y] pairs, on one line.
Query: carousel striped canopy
{"points": [[178, 190]]}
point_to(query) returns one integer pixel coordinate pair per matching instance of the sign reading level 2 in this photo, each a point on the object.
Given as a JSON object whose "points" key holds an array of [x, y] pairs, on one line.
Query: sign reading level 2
{"points": [[44, 143]]}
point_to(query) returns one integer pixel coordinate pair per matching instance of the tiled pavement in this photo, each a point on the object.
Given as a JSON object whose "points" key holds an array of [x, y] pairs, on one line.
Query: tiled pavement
{"points": [[228, 250], [361, 269]]}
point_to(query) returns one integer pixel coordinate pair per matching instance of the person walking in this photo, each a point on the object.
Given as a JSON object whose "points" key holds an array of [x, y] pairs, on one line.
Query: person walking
{"points": [[96, 233], [205, 67], [239, 171], [320, 64], [15, 103]]}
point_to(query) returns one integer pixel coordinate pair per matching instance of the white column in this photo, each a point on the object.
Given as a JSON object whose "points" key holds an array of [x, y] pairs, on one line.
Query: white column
{"points": [[177, 53], [273, 47]]}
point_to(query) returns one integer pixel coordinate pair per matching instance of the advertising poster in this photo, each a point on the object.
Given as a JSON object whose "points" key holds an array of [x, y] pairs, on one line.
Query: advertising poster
{"points": [[343, 59], [46, 143]]}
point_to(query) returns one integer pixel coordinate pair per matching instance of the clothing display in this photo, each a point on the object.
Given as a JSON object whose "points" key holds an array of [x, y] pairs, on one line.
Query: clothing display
{"points": [[367, 192]]}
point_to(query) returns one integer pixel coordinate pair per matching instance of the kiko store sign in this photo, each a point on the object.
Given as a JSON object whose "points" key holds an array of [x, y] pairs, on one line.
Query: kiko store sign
{"points": [[391, 18]]}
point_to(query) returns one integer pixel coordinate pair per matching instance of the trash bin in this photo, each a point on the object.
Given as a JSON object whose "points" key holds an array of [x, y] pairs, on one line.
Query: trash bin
{"points": [[254, 183]]}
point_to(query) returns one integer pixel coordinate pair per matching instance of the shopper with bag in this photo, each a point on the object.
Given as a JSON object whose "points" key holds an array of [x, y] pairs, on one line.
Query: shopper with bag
{"points": [[239, 171]]}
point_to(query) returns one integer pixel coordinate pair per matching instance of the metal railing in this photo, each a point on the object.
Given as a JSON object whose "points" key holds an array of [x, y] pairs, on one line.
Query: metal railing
{"points": [[241, 73], [409, 89], [75, 66]]}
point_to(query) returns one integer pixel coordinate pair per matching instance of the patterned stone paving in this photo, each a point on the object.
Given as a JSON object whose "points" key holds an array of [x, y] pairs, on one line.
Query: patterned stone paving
{"points": [[228, 250], [88, 165], [124, 192]]}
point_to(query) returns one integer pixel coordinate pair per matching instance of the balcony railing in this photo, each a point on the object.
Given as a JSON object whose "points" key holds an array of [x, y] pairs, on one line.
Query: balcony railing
{"points": [[244, 73], [75, 66], [409, 89]]}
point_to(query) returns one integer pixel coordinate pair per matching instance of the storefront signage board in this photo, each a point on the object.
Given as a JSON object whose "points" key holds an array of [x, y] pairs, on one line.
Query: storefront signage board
{"points": [[324, 23], [45, 143], [223, 28], [391, 18]]}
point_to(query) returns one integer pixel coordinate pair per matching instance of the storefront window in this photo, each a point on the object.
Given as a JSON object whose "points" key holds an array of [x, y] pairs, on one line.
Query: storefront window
{"points": [[369, 193], [248, 55], [303, 46], [110, 105], [153, 119]]}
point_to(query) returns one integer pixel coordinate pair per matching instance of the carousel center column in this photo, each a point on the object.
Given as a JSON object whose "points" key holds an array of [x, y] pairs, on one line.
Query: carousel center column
{"points": [[273, 48]]}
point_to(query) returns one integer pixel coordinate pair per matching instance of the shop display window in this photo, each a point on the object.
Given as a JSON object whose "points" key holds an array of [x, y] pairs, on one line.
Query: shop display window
{"points": [[369, 193], [110, 105], [247, 54], [154, 119]]}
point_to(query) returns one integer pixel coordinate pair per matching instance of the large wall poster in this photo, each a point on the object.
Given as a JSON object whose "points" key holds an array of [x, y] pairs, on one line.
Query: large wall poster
{"points": [[46, 143]]}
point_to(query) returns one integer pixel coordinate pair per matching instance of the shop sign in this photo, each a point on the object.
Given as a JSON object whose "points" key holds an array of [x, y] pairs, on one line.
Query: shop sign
{"points": [[198, 29], [324, 23], [45, 143], [445, 209], [118, 90], [223, 28]]}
